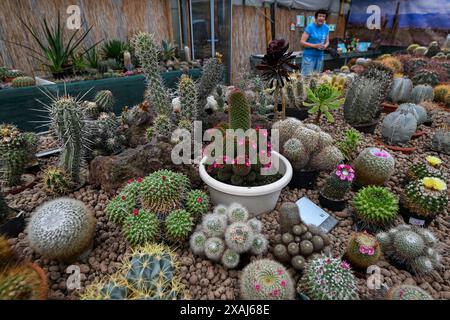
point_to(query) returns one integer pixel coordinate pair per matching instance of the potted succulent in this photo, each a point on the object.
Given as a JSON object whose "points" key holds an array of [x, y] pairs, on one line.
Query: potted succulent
{"points": [[332, 196], [295, 95], [309, 149], [428, 168], [256, 186], [322, 100]]}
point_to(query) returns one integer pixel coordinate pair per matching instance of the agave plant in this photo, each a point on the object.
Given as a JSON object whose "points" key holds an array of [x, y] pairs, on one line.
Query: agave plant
{"points": [[322, 100], [55, 52], [92, 58], [114, 49], [276, 66], [168, 51]]}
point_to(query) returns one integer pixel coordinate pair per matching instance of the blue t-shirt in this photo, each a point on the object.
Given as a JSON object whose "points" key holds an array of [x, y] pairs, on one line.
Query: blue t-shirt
{"points": [[317, 34]]}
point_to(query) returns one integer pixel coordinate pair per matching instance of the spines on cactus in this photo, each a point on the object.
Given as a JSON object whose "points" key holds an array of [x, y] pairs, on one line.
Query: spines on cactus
{"points": [[339, 182], [362, 250], [373, 166], [56, 181], [239, 237], [141, 227], [188, 98], [104, 100], [21, 82], [23, 282], [407, 292], [178, 224], [197, 203], [239, 112], [197, 243]]}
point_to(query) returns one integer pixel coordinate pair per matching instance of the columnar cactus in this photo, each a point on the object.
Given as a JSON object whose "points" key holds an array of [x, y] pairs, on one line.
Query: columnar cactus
{"points": [[420, 51], [407, 292], [441, 91], [373, 166], [362, 250], [327, 278], [56, 181], [376, 206], [339, 182], [211, 76], [21, 82], [61, 229], [147, 50], [421, 93], [141, 227], [414, 248], [104, 100], [148, 273], [188, 98], [266, 280], [240, 112]]}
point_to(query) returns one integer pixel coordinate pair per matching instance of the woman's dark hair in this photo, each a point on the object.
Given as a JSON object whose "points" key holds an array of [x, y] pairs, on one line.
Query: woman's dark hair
{"points": [[321, 11]]}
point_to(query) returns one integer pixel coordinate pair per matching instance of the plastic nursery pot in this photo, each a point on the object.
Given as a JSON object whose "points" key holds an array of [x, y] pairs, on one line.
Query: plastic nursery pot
{"points": [[334, 205], [303, 179], [366, 128], [414, 219], [257, 200], [388, 107], [405, 150], [298, 113], [12, 227]]}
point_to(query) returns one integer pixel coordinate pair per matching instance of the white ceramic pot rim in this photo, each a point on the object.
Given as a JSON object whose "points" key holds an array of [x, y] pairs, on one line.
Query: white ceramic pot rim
{"points": [[248, 191]]}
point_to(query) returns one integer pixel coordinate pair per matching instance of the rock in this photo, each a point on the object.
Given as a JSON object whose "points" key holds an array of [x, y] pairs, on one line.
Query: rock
{"points": [[84, 268], [55, 275], [445, 295], [436, 286], [204, 282], [193, 279], [410, 281], [111, 172], [210, 274]]}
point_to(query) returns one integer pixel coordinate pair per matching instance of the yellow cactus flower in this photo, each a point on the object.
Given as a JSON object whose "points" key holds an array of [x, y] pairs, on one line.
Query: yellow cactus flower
{"points": [[434, 184], [433, 161]]}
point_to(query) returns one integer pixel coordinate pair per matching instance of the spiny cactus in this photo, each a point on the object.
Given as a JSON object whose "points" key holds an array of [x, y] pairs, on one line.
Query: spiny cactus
{"points": [[259, 244], [327, 278], [6, 253], [428, 168], [237, 213], [197, 243], [349, 144], [105, 100], [382, 73], [266, 280], [362, 250], [339, 182], [21, 82], [141, 227], [239, 237], [412, 47], [178, 225], [376, 206], [407, 292], [421, 93], [414, 248], [162, 126], [393, 63], [240, 112], [211, 76], [424, 76], [148, 273], [61, 229], [197, 203], [214, 248], [426, 197], [56, 181], [23, 282], [163, 190], [214, 225], [256, 225], [230, 259], [188, 98], [373, 166], [441, 91]]}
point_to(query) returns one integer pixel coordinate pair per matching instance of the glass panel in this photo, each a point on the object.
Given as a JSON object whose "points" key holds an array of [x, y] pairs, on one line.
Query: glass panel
{"points": [[201, 28], [222, 29]]}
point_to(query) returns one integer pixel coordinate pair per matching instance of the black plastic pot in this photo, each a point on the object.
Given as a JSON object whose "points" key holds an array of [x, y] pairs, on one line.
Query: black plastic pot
{"points": [[367, 128], [414, 219], [303, 179], [299, 113], [334, 205], [12, 227]]}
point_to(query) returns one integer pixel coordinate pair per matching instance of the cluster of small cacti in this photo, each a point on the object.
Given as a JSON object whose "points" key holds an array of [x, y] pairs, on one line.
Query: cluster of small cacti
{"points": [[428, 168], [327, 278], [227, 233], [306, 146], [61, 229], [376, 207], [266, 280], [362, 250], [339, 182], [21, 82], [297, 242], [407, 292], [148, 273], [15, 152], [373, 166], [413, 248], [56, 181], [425, 197], [160, 205]]}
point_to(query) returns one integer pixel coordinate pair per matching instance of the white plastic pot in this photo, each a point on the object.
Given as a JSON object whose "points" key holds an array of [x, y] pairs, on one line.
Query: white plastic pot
{"points": [[257, 200]]}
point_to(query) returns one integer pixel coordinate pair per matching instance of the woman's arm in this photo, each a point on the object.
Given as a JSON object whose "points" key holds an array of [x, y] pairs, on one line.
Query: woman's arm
{"points": [[305, 43], [327, 42]]}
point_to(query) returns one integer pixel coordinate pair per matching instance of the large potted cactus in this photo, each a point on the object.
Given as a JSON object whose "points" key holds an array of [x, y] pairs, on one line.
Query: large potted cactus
{"points": [[362, 104], [254, 175]]}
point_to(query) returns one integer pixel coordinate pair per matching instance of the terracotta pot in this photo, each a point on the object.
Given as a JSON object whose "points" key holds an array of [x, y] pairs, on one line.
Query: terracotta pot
{"points": [[417, 134], [388, 107], [405, 150]]}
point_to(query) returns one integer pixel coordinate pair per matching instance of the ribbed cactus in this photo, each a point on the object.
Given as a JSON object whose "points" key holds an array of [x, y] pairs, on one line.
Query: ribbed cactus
{"points": [[419, 112], [266, 280], [362, 103], [381, 73], [373, 166], [239, 112], [414, 248], [441, 91], [147, 50], [178, 225], [211, 76], [23, 282], [441, 142], [67, 119], [421, 93], [56, 181], [420, 51], [162, 126], [426, 168], [61, 229], [21, 82], [401, 90], [188, 98], [377, 207], [407, 292], [362, 250], [148, 273], [197, 203], [105, 100], [424, 76], [141, 227], [426, 197], [327, 278], [289, 215], [411, 48], [339, 182], [398, 127], [14, 154]]}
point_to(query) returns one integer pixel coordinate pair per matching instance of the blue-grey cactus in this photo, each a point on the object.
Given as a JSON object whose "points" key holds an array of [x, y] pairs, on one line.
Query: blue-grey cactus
{"points": [[418, 111], [401, 90], [398, 127]]}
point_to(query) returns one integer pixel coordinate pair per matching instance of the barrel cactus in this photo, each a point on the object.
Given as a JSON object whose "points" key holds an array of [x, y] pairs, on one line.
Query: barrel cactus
{"points": [[381, 73], [61, 229], [425, 197], [421, 93], [266, 280], [376, 207], [141, 227], [56, 181], [420, 51], [398, 127], [373, 166], [339, 182], [412, 247], [21, 82], [424, 76], [419, 112], [362, 250], [179, 225], [407, 292], [188, 98], [23, 282], [441, 142], [105, 100], [327, 278], [239, 237], [441, 91], [197, 203], [401, 90], [412, 47], [428, 168]]}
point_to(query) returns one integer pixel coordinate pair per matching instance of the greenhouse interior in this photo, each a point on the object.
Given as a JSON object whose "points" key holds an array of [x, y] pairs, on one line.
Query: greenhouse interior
{"points": [[224, 150]]}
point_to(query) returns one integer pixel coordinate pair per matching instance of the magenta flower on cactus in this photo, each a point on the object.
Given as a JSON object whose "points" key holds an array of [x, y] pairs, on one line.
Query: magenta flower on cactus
{"points": [[345, 172], [257, 287], [381, 153], [345, 265], [370, 251]]}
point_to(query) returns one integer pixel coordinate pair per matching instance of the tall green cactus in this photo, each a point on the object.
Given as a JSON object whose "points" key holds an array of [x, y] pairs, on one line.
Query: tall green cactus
{"points": [[67, 119], [211, 77], [240, 112], [188, 98]]}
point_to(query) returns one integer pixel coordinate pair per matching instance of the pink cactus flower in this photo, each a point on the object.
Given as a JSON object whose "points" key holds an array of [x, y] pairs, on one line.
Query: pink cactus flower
{"points": [[283, 283], [135, 212], [139, 179], [257, 287]]}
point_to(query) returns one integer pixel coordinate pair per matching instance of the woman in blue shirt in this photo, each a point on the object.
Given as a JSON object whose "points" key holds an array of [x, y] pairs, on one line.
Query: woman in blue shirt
{"points": [[315, 39]]}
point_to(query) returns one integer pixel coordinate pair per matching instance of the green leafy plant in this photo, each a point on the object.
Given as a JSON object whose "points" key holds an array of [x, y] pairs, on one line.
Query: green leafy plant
{"points": [[114, 49], [92, 58], [322, 100], [168, 51]]}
